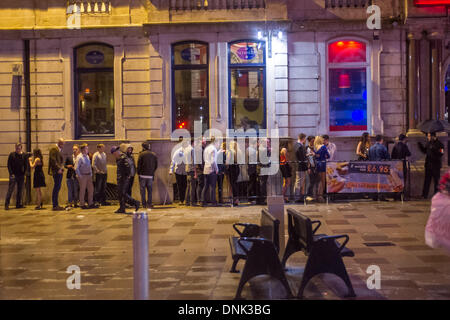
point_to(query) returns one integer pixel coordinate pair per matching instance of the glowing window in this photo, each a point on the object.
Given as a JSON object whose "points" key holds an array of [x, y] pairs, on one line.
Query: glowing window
{"points": [[346, 51]]}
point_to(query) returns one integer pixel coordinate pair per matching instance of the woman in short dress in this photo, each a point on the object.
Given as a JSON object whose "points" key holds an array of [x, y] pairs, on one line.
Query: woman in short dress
{"points": [[285, 169], [38, 179], [362, 150]]}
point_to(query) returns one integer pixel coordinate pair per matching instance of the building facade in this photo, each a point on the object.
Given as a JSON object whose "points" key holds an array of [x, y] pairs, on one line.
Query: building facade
{"points": [[115, 71]]}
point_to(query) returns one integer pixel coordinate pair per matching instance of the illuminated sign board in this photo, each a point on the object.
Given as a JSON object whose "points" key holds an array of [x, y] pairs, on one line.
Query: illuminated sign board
{"points": [[431, 3]]}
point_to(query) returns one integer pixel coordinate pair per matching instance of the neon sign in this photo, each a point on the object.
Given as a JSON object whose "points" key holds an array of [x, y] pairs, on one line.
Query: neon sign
{"points": [[431, 3]]}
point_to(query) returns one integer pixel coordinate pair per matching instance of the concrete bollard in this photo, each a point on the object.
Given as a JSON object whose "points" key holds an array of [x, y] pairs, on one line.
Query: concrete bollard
{"points": [[140, 256]]}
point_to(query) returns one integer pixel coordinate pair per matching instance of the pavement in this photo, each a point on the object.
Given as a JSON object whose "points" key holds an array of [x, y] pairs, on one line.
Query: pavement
{"points": [[190, 259]]}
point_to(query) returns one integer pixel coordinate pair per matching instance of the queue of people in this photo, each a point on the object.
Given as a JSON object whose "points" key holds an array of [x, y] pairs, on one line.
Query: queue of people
{"points": [[197, 181]]}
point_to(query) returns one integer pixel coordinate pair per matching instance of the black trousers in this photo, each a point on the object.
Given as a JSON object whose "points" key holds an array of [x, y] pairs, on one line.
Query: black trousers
{"points": [[233, 174], [181, 186], [130, 186], [19, 180], [253, 186], [431, 172], [100, 187], [262, 189], [124, 197], [220, 186]]}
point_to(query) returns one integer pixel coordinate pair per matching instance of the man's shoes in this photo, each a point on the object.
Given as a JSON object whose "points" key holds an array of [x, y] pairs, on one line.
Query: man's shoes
{"points": [[84, 207], [58, 208], [137, 205], [106, 203], [120, 211], [299, 201], [93, 206], [20, 206], [6, 207]]}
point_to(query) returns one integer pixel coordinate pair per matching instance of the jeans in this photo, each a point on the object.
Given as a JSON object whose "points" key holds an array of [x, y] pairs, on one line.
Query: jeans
{"points": [[200, 186], [210, 183], [300, 183], [313, 183], [100, 187], [191, 191], [57, 179], [72, 190], [13, 180], [146, 184]]}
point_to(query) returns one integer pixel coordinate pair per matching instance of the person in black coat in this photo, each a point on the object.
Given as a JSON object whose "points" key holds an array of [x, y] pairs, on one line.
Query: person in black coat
{"points": [[400, 151], [147, 165], [17, 166], [434, 150], [123, 179]]}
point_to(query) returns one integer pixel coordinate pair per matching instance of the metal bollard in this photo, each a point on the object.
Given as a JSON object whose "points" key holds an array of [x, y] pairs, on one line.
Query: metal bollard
{"points": [[140, 255]]}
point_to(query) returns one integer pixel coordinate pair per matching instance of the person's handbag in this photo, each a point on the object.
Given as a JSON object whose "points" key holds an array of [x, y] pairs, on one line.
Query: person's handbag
{"points": [[437, 230]]}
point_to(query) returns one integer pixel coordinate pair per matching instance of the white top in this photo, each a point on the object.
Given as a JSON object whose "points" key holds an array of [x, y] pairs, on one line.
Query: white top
{"points": [[177, 165], [99, 163], [210, 157], [331, 147]]}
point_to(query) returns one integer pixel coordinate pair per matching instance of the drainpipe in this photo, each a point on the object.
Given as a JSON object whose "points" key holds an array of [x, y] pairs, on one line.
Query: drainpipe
{"points": [[26, 64]]}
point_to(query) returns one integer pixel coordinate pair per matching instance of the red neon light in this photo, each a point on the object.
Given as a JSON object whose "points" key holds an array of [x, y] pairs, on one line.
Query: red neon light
{"points": [[348, 128], [432, 3], [347, 51]]}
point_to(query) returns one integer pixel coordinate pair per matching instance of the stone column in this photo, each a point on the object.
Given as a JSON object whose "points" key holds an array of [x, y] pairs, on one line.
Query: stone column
{"points": [[413, 72]]}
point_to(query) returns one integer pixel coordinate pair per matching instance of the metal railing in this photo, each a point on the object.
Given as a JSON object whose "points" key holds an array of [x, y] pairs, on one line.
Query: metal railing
{"points": [[179, 5]]}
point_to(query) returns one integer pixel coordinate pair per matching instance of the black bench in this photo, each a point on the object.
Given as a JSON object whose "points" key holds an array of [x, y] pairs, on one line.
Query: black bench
{"points": [[324, 252], [259, 247]]}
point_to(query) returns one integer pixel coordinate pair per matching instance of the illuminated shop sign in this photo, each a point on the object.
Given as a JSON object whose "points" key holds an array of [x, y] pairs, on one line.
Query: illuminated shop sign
{"points": [[431, 3]]}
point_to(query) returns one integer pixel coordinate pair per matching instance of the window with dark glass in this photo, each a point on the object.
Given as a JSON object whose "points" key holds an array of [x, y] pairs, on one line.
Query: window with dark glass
{"points": [[247, 85], [190, 85], [347, 79], [94, 87]]}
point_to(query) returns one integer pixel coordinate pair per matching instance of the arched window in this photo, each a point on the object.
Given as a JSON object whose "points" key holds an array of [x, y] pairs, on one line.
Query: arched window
{"points": [[190, 89], [94, 88], [347, 85], [247, 83]]}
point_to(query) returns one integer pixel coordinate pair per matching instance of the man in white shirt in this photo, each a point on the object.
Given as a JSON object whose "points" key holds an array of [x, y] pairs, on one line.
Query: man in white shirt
{"points": [[210, 171], [84, 174], [178, 167]]}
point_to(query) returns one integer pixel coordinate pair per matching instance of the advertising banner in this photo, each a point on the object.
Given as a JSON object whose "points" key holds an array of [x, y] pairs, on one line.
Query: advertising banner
{"points": [[364, 176]]}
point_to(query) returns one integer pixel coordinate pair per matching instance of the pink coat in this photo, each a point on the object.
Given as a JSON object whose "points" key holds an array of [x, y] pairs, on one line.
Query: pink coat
{"points": [[437, 230]]}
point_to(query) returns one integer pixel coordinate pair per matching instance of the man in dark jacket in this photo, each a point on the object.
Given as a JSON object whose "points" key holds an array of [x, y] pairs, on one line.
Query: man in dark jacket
{"points": [[378, 151], [302, 166], [434, 150], [147, 165], [56, 169], [123, 179], [17, 165]]}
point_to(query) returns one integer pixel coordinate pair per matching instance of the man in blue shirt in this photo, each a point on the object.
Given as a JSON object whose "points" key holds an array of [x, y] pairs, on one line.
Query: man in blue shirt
{"points": [[378, 151]]}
